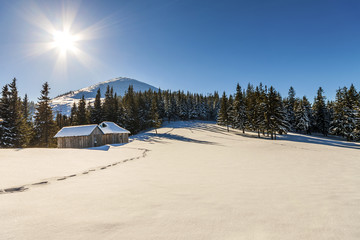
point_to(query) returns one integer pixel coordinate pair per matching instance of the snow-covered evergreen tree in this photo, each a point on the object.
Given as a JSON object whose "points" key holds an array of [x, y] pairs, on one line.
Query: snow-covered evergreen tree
{"points": [[230, 111], [81, 114], [275, 114], [45, 127], [320, 113], [290, 107], [154, 116], [239, 110], [96, 111], [302, 116], [6, 128], [223, 117], [345, 113]]}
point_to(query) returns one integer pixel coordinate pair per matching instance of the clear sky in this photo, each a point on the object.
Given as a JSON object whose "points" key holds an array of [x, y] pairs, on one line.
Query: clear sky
{"points": [[200, 46]]}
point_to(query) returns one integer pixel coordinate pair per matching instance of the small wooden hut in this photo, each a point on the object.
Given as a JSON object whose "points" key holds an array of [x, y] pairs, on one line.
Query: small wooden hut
{"points": [[85, 136], [113, 133]]}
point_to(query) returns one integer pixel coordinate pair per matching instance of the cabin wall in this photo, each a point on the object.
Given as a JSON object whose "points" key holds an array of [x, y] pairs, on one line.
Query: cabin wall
{"points": [[97, 138], [75, 142], [115, 138]]}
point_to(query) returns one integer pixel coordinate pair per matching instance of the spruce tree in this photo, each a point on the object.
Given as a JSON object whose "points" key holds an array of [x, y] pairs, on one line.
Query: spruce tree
{"points": [[45, 127], [239, 110], [96, 111], [276, 114], [16, 117], [73, 115], [155, 121], [223, 117], [302, 116], [250, 101], [81, 115], [28, 127], [131, 111], [321, 114], [345, 113], [6, 127], [230, 111], [290, 106]]}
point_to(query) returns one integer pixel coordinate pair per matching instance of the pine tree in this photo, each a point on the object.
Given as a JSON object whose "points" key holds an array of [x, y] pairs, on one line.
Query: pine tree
{"points": [[155, 121], [250, 102], [73, 115], [81, 114], [131, 111], [45, 127], [96, 111], [276, 114], [107, 106], [239, 110], [28, 127], [6, 127], [321, 114], [345, 113], [230, 111], [290, 106], [302, 116], [223, 117], [16, 117], [260, 109]]}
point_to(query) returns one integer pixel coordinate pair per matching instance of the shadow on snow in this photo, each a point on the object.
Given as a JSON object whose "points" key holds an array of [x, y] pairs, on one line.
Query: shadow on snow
{"points": [[152, 137], [319, 140]]}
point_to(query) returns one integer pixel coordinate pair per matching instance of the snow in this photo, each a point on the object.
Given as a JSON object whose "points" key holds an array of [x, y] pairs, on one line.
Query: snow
{"points": [[110, 127], [193, 180], [83, 130]]}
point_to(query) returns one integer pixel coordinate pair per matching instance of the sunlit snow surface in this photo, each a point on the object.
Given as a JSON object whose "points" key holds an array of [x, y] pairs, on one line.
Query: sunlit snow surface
{"points": [[191, 181]]}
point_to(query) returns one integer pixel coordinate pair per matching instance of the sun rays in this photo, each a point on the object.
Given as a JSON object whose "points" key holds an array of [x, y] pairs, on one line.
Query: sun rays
{"points": [[62, 35]]}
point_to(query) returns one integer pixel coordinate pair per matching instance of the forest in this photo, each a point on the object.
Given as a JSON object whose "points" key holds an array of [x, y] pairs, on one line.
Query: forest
{"points": [[259, 109]]}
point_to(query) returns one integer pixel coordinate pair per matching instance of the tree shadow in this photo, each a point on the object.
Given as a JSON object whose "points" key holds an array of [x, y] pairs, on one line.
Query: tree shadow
{"points": [[153, 137], [292, 137], [319, 140]]}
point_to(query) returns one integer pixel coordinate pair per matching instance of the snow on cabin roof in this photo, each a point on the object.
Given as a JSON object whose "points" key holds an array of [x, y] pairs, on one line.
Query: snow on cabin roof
{"points": [[83, 130], [110, 127]]}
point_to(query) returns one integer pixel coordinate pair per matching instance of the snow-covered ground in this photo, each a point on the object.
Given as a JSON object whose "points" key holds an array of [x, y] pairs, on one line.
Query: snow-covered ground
{"points": [[191, 181]]}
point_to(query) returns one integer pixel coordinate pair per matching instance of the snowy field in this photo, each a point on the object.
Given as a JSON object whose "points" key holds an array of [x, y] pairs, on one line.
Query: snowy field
{"points": [[191, 181]]}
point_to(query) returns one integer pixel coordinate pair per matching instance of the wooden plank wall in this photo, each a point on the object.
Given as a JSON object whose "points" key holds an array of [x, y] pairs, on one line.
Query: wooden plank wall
{"points": [[89, 141]]}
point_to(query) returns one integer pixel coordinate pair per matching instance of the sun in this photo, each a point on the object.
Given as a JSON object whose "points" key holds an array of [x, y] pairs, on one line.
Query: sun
{"points": [[64, 41]]}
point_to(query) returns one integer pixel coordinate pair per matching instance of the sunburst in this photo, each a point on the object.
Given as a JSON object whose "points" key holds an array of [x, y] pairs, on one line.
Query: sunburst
{"points": [[58, 35]]}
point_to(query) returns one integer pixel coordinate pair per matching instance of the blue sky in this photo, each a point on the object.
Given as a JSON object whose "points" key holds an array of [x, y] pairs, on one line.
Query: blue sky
{"points": [[199, 46]]}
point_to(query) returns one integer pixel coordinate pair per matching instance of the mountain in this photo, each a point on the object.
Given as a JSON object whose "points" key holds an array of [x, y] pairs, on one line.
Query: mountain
{"points": [[64, 102]]}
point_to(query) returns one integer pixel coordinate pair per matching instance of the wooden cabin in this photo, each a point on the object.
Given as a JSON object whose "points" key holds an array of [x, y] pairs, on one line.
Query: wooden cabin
{"points": [[85, 136]]}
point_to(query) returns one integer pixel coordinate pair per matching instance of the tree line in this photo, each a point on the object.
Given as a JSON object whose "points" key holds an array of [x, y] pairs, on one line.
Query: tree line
{"points": [[262, 109], [256, 108], [138, 111]]}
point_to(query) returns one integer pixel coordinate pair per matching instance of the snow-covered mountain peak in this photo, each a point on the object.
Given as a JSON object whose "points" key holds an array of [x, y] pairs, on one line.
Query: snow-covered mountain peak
{"points": [[63, 103]]}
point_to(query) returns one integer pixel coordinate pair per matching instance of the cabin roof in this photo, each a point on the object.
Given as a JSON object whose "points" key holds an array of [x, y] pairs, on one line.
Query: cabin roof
{"points": [[86, 130], [111, 127], [72, 131]]}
